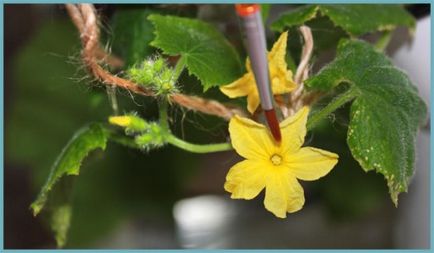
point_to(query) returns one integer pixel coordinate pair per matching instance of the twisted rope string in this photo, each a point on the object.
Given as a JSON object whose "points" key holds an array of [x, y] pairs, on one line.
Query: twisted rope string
{"points": [[296, 100]]}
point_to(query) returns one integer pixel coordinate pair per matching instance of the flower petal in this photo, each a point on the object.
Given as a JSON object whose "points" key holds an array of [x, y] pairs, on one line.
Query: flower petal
{"points": [[281, 76], [248, 65], [240, 87], [311, 163], [277, 54], [281, 85], [246, 179], [253, 101], [250, 139], [294, 130], [283, 194]]}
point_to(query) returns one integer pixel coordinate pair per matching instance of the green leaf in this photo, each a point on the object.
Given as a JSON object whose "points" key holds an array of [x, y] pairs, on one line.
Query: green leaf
{"points": [[385, 114], [69, 161], [355, 19], [132, 33], [208, 55], [365, 18], [295, 17]]}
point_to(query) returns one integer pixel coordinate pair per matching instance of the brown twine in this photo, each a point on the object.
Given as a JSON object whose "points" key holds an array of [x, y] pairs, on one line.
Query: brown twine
{"points": [[85, 19], [204, 105], [296, 100], [306, 54], [113, 61]]}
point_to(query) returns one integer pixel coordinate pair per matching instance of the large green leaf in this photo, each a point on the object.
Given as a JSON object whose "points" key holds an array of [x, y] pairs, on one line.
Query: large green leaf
{"points": [[355, 19], [69, 161], [385, 114], [207, 54], [358, 19]]}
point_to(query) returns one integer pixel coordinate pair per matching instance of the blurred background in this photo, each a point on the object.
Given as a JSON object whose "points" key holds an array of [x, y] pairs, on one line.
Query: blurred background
{"points": [[169, 198]]}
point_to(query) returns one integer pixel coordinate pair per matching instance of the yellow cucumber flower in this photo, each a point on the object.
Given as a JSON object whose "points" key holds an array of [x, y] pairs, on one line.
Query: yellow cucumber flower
{"points": [[281, 77], [275, 167]]}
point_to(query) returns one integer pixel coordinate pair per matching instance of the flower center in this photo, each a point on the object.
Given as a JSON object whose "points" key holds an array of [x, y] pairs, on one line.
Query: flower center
{"points": [[276, 159]]}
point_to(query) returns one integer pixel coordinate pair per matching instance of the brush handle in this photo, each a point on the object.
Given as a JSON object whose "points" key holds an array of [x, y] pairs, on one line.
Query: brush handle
{"points": [[257, 50]]}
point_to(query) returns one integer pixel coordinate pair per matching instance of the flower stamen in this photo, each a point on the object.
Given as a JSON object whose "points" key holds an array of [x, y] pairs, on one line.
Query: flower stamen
{"points": [[276, 159]]}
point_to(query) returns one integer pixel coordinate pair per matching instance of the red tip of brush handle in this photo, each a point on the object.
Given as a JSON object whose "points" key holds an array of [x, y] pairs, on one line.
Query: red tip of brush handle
{"points": [[246, 9], [273, 124]]}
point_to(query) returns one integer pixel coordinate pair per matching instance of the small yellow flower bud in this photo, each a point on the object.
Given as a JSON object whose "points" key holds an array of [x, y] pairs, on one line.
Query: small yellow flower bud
{"points": [[123, 121], [131, 123]]}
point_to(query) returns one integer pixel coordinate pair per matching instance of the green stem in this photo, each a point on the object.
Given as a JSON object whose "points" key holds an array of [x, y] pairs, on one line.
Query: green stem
{"points": [[383, 41], [164, 120], [195, 148], [342, 99], [198, 148], [124, 141], [111, 93], [179, 67], [120, 139]]}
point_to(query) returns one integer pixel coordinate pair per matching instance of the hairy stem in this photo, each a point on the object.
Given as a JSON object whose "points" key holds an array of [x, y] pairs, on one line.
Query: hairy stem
{"points": [[339, 101], [175, 141], [198, 148], [383, 41], [124, 141], [111, 93], [164, 120]]}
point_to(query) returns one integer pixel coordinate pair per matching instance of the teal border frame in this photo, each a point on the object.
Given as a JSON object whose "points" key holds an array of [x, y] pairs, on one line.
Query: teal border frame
{"points": [[206, 2]]}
